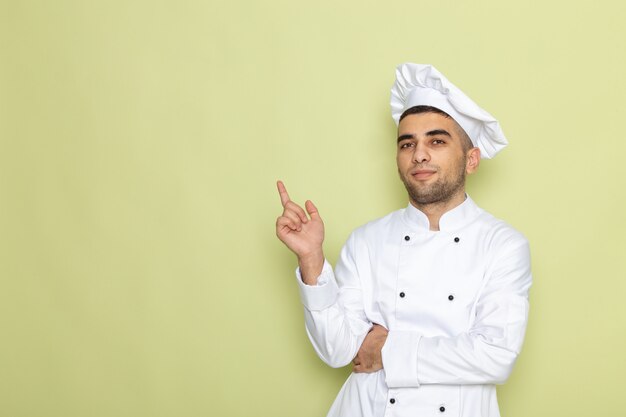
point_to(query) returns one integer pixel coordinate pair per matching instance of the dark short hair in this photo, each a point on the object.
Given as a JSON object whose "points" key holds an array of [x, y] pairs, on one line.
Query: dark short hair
{"points": [[467, 142], [423, 109]]}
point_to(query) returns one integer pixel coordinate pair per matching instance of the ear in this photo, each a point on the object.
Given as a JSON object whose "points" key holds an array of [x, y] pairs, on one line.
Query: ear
{"points": [[473, 160]]}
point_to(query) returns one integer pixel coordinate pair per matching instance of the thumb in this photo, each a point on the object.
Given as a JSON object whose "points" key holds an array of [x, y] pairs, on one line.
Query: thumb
{"points": [[312, 210]]}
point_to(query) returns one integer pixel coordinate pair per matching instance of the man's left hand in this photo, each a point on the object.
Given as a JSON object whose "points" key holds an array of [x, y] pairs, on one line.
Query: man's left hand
{"points": [[369, 358]]}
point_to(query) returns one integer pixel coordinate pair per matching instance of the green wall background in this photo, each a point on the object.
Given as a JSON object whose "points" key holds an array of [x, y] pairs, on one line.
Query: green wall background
{"points": [[140, 142]]}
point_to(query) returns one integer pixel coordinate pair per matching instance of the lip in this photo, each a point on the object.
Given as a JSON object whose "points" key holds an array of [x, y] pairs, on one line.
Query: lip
{"points": [[422, 174]]}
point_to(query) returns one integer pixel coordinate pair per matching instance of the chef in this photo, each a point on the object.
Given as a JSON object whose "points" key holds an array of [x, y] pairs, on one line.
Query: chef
{"points": [[429, 303]]}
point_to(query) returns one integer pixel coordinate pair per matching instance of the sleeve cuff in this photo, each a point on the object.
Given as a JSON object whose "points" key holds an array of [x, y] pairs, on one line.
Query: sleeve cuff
{"points": [[322, 295], [400, 359]]}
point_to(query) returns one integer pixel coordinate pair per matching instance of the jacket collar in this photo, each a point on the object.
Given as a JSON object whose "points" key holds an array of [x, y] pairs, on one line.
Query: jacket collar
{"points": [[453, 219]]}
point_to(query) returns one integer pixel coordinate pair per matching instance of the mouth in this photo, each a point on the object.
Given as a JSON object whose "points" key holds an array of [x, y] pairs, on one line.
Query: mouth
{"points": [[423, 174]]}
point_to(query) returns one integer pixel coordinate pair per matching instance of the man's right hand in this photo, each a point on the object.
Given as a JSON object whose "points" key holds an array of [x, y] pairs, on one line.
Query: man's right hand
{"points": [[302, 234]]}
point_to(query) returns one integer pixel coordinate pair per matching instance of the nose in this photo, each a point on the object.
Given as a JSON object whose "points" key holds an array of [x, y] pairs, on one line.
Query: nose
{"points": [[420, 154]]}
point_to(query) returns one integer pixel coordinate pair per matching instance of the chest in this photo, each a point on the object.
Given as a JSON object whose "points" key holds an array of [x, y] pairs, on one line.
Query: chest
{"points": [[427, 282]]}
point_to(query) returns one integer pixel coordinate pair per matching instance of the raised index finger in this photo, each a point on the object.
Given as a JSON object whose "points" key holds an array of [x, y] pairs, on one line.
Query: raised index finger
{"points": [[284, 196]]}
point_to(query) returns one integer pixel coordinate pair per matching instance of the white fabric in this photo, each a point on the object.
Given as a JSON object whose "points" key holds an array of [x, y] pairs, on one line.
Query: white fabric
{"points": [[423, 85], [439, 352]]}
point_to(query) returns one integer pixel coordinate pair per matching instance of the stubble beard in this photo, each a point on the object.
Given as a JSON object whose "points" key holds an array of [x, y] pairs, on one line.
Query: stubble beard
{"points": [[441, 191]]}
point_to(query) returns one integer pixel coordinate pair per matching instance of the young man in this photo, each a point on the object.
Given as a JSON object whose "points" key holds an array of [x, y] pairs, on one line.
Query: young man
{"points": [[429, 303]]}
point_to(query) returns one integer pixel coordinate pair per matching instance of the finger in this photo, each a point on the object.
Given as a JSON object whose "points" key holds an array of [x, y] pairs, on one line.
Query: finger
{"points": [[361, 369], [295, 220], [283, 221], [311, 209], [293, 207], [282, 191]]}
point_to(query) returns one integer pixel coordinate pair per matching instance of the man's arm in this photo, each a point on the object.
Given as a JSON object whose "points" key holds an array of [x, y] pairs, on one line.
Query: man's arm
{"points": [[485, 354], [334, 317]]}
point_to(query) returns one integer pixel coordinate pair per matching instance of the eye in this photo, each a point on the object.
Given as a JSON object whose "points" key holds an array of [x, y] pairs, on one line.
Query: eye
{"points": [[438, 142], [406, 145]]}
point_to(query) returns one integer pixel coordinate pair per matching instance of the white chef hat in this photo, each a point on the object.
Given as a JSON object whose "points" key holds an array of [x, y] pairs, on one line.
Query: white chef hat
{"points": [[423, 85]]}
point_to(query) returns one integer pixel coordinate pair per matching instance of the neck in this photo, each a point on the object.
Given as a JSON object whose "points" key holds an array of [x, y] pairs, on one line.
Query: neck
{"points": [[435, 210]]}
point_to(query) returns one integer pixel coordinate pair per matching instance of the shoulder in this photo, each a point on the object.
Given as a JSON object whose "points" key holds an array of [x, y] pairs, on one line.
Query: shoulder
{"points": [[376, 228], [376, 233], [498, 232], [506, 253]]}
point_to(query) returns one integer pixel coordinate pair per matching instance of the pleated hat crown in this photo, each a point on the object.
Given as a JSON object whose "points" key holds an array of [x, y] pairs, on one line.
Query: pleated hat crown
{"points": [[423, 85]]}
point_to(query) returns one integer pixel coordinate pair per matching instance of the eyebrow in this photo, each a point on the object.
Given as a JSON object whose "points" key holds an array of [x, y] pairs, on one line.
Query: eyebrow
{"points": [[435, 132]]}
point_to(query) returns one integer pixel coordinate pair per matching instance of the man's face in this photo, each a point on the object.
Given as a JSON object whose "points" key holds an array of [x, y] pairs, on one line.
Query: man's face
{"points": [[432, 162]]}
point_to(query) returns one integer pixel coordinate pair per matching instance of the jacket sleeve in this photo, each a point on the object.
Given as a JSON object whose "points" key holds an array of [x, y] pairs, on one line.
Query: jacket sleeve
{"points": [[333, 311], [486, 353]]}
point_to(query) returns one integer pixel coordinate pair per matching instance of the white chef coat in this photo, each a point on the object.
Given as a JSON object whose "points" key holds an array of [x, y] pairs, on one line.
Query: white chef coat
{"points": [[455, 302]]}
